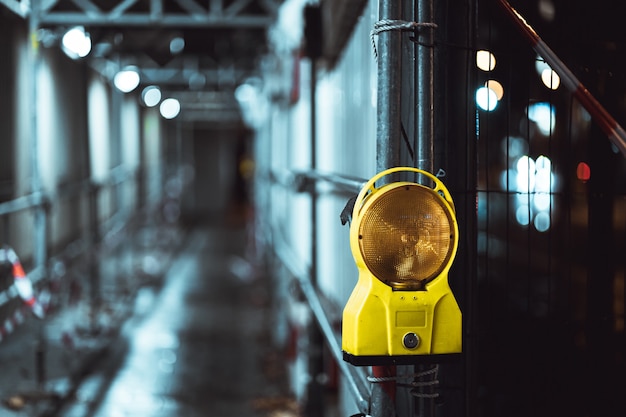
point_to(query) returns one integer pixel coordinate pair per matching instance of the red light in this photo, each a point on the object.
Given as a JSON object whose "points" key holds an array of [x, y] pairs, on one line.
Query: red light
{"points": [[583, 172]]}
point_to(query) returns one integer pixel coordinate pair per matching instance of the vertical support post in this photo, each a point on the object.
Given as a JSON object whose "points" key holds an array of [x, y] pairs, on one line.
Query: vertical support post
{"points": [[117, 149], [313, 151], [424, 87], [39, 253], [389, 138], [388, 141], [315, 389], [388, 131], [94, 269], [424, 152], [39, 228]]}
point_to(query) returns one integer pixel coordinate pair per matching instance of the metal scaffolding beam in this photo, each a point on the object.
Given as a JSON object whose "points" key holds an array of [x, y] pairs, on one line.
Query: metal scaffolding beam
{"points": [[193, 15]]}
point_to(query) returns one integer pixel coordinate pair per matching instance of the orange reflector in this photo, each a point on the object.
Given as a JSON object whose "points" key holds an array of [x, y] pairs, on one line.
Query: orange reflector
{"points": [[407, 236]]}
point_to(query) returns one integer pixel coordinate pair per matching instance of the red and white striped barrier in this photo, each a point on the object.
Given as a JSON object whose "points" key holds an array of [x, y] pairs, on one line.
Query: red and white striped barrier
{"points": [[607, 123], [21, 282]]}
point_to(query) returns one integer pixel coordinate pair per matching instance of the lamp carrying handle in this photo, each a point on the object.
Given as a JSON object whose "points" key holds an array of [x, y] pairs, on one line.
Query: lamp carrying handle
{"points": [[370, 187]]}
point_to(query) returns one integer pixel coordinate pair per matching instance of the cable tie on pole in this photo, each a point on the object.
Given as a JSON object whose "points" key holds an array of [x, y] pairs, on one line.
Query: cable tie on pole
{"points": [[424, 395], [425, 383], [390, 24], [379, 379]]}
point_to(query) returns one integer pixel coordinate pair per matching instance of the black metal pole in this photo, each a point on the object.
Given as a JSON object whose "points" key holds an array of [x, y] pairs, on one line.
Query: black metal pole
{"points": [[315, 389], [388, 141], [425, 88], [388, 130]]}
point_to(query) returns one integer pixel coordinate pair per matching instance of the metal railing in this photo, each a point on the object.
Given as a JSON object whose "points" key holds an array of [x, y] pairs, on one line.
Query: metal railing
{"points": [[312, 182], [44, 201]]}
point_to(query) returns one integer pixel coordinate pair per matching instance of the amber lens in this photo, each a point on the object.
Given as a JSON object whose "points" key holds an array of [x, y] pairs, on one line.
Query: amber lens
{"points": [[406, 236]]}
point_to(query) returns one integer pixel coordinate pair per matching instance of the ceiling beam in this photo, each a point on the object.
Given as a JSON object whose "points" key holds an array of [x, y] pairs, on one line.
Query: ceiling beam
{"points": [[149, 20], [121, 8], [191, 7], [165, 76], [87, 6], [195, 16], [20, 8]]}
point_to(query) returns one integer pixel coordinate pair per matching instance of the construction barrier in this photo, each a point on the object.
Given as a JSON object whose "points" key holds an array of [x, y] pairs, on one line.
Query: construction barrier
{"points": [[20, 287]]}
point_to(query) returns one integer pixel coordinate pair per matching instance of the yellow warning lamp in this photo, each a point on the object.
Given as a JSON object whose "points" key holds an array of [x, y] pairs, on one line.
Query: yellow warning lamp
{"points": [[403, 237]]}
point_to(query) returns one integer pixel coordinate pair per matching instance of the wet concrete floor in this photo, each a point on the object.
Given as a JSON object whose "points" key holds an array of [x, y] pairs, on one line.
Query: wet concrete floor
{"points": [[198, 344]]}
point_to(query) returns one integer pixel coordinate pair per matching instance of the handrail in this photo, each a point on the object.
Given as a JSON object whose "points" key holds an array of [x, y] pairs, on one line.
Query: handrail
{"points": [[339, 183], [22, 203], [607, 123], [116, 176], [356, 382], [307, 181], [38, 200]]}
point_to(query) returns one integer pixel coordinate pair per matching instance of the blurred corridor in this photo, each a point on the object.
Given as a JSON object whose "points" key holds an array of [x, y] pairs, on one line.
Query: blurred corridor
{"points": [[196, 341]]}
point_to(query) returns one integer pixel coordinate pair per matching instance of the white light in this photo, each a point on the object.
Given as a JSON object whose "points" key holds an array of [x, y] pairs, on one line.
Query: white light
{"points": [[522, 199], [177, 45], [496, 87], [486, 98], [542, 201], [543, 163], [525, 174], [252, 102], [76, 43], [543, 166], [522, 215], [169, 108], [126, 80], [485, 60], [245, 93], [540, 65], [542, 221], [507, 179], [525, 165], [550, 78], [151, 95], [543, 115]]}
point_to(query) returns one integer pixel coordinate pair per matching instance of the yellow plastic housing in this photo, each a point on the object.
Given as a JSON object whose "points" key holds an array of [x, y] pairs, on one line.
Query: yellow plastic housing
{"points": [[403, 237]]}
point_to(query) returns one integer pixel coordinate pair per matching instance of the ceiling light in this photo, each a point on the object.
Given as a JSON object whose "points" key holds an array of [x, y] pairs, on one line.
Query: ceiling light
{"points": [[127, 79], [151, 95], [76, 43], [177, 45], [170, 108]]}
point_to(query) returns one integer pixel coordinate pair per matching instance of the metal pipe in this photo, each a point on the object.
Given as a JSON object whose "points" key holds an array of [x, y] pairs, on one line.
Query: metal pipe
{"points": [[338, 182], [315, 396], [39, 238], [40, 254], [425, 131], [425, 90], [389, 49], [34, 200], [356, 383], [388, 134], [26, 202]]}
